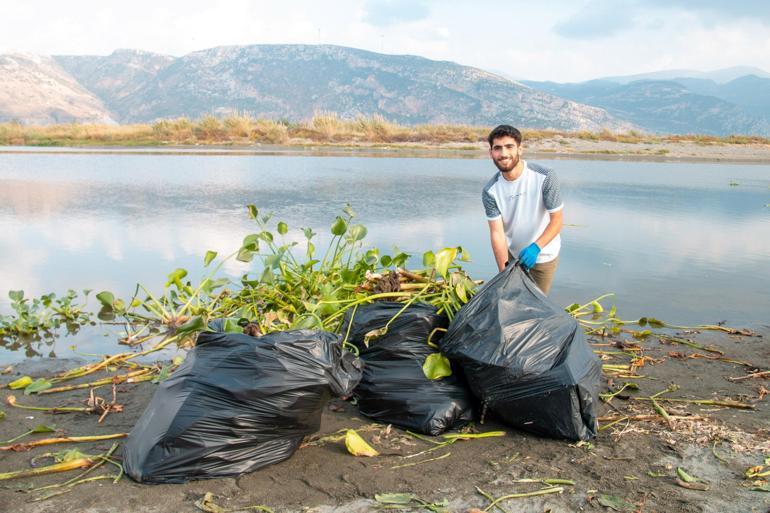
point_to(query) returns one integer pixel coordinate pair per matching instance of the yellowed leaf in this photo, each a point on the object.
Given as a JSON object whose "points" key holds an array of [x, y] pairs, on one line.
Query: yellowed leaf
{"points": [[357, 446]]}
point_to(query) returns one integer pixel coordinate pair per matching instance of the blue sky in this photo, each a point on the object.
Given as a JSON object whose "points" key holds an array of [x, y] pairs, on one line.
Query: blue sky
{"points": [[550, 40]]}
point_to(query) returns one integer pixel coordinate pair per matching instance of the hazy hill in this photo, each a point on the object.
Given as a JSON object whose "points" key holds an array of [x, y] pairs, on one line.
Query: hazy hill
{"points": [[36, 89], [681, 105], [114, 76], [719, 76], [296, 81]]}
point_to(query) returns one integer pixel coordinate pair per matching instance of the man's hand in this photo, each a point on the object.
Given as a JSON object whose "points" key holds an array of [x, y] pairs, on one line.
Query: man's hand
{"points": [[528, 256]]}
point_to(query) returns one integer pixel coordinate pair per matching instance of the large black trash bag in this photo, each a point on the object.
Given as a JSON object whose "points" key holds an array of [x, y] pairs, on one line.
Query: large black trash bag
{"points": [[394, 388], [526, 358], [238, 403]]}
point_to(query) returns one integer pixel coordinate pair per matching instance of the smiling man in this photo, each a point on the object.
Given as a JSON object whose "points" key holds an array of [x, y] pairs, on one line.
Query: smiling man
{"points": [[524, 209]]}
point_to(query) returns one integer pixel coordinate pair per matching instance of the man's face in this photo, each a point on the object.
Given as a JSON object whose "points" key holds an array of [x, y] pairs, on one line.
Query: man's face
{"points": [[505, 153]]}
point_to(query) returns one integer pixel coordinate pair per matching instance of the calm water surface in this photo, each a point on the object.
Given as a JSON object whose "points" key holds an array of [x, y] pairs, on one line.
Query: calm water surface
{"points": [[674, 241]]}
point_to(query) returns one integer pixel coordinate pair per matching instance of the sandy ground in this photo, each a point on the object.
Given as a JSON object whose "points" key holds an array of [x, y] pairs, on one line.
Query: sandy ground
{"points": [[558, 147], [633, 461], [683, 151]]}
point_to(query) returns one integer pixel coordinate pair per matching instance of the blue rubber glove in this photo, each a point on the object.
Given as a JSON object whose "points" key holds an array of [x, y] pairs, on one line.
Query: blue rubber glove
{"points": [[528, 256]]}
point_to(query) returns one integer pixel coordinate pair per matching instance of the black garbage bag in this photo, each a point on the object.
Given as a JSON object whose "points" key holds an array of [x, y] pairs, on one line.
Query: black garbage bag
{"points": [[238, 403], [394, 388], [526, 358]]}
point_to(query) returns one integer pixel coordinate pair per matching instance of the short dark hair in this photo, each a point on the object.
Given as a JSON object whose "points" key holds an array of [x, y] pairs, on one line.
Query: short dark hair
{"points": [[504, 131]]}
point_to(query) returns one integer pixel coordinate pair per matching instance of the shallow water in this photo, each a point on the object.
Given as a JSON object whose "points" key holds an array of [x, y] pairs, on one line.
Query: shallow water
{"points": [[674, 241]]}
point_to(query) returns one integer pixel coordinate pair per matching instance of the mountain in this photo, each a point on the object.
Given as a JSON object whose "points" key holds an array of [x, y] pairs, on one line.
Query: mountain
{"points": [[115, 76], [719, 76], [751, 92], [671, 106], [295, 81], [37, 90]]}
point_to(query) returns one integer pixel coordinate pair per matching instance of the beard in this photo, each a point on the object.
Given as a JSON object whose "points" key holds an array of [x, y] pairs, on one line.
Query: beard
{"points": [[507, 165]]}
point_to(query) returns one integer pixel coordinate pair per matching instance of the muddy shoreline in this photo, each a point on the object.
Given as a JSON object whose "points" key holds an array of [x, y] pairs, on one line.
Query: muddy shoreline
{"points": [[633, 461], [558, 147]]}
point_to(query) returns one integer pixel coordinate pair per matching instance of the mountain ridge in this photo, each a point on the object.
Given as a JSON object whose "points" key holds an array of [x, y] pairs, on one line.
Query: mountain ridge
{"points": [[296, 81]]}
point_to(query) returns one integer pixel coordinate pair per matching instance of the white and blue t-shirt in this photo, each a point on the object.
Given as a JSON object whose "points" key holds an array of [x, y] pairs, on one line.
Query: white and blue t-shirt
{"points": [[524, 205]]}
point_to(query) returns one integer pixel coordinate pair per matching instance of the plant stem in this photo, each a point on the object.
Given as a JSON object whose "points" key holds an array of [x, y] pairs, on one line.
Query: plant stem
{"points": [[62, 440], [542, 491]]}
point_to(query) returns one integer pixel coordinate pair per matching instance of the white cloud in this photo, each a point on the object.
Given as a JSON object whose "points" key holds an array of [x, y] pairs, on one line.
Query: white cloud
{"points": [[525, 40]]}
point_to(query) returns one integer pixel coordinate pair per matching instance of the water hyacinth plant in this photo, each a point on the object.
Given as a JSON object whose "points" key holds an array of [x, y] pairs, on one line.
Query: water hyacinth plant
{"points": [[293, 285]]}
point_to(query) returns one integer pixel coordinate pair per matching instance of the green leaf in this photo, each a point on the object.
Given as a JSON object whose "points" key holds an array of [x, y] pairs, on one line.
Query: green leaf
{"points": [[655, 323], [283, 228], [394, 498], [22, 382], [163, 375], [16, 295], [194, 324], [460, 291], [176, 276], [436, 366], [38, 385], [349, 210], [684, 476], [267, 276], [765, 487], [245, 255], [571, 308], [119, 306], [273, 261], [428, 259], [465, 256], [339, 227], [597, 307], [251, 242], [253, 211], [357, 232], [307, 322], [232, 326], [309, 233], [615, 503], [444, 259], [385, 260], [68, 455], [266, 236], [210, 255], [41, 428], [400, 259], [106, 298]]}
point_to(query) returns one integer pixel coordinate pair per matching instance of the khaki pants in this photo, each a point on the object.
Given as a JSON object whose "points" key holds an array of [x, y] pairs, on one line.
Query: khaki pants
{"points": [[543, 273]]}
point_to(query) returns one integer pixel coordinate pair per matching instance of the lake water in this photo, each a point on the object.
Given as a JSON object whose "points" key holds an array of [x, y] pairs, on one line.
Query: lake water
{"points": [[674, 241]]}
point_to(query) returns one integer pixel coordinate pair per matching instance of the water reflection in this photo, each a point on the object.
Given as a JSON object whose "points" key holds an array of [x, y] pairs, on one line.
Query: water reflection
{"points": [[674, 241]]}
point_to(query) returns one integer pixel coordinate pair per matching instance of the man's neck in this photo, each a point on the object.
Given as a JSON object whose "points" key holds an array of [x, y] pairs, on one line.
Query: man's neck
{"points": [[514, 173]]}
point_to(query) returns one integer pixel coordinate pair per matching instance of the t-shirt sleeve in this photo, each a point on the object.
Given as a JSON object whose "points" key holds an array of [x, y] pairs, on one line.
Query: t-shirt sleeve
{"points": [[552, 193], [490, 206]]}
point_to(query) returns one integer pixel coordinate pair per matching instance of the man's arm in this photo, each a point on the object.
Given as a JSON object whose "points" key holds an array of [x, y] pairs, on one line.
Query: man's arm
{"points": [[552, 229], [499, 244]]}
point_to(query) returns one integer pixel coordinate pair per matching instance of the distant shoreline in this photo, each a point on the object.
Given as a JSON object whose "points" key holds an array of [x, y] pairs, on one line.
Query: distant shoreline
{"points": [[545, 149], [328, 135]]}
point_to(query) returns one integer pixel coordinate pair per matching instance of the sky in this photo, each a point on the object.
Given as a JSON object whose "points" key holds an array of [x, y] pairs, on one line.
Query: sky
{"points": [[559, 40]]}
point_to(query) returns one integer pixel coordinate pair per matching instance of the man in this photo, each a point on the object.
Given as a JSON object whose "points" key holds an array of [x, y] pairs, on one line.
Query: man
{"points": [[524, 209]]}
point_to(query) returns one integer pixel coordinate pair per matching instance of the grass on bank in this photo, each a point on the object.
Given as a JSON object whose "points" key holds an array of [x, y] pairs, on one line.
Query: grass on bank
{"points": [[323, 128]]}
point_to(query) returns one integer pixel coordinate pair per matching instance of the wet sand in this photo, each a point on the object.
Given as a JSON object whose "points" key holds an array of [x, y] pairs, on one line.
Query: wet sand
{"points": [[624, 461]]}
